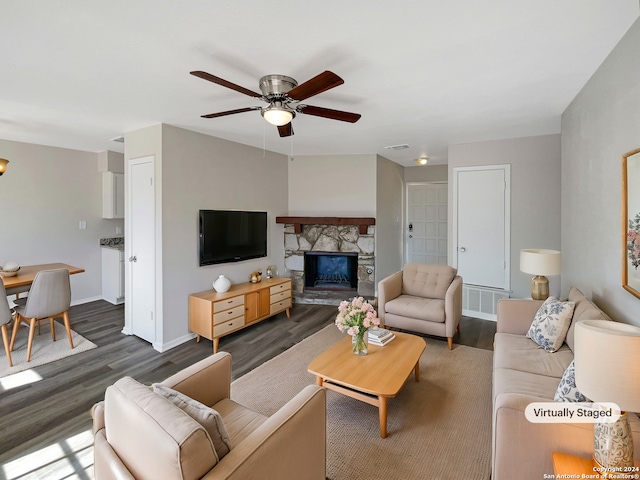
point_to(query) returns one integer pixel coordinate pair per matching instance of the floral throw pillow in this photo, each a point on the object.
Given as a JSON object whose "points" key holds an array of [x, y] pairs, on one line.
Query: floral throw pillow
{"points": [[567, 390], [551, 324]]}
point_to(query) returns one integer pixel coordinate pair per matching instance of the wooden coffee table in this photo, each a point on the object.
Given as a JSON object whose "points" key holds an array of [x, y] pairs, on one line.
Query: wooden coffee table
{"points": [[373, 378]]}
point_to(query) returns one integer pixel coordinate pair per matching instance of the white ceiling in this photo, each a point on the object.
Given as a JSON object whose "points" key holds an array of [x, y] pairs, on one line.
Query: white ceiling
{"points": [[428, 73]]}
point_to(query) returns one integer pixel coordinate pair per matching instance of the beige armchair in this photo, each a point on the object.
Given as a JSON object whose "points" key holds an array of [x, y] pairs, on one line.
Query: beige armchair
{"points": [[422, 298], [140, 434]]}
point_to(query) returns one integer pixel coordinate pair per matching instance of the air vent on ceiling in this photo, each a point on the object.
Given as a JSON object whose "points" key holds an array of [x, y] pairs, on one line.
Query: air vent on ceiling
{"points": [[397, 147], [119, 139]]}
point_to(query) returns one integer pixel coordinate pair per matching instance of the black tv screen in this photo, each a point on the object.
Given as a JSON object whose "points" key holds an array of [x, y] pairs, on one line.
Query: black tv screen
{"points": [[232, 236]]}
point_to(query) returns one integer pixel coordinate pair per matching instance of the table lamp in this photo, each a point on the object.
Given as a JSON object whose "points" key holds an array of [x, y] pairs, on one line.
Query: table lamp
{"points": [[607, 361], [540, 262]]}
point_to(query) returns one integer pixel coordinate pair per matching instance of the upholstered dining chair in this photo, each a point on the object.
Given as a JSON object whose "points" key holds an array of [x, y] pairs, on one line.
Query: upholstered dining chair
{"points": [[49, 297], [6, 316]]}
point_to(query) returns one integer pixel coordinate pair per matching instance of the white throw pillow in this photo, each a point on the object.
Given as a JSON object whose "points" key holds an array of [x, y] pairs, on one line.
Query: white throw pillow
{"points": [[209, 418], [551, 324], [567, 390]]}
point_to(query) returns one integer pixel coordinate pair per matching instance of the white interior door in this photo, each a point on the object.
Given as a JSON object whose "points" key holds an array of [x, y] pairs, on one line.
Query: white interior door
{"points": [[426, 236], [481, 221], [141, 249]]}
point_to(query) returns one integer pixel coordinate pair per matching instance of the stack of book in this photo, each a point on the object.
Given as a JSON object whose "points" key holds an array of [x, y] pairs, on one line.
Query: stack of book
{"points": [[380, 336]]}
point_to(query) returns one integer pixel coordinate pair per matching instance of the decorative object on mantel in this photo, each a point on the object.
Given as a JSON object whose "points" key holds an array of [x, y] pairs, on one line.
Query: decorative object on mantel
{"points": [[355, 318], [3, 165], [631, 222], [222, 284], [540, 262], [297, 222], [9, 269], [255, 277], [607, 364]]}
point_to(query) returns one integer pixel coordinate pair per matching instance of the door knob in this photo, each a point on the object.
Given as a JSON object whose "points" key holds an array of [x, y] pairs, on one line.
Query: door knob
{"points": [[462, 249], [410, 236], [133, 258]]}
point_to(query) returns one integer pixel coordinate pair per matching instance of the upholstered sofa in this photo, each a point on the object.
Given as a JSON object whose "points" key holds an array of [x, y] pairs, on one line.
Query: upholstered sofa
{"points": [[524, 373], [141, 434], [422, 298]]}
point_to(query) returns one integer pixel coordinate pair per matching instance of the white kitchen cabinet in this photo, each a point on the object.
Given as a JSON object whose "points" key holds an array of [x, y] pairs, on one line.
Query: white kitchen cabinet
{"points": [[112, 195], [113, 275]]}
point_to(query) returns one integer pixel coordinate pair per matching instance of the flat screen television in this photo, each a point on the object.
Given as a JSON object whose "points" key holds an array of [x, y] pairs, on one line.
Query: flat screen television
{"points": [[231, 236]]}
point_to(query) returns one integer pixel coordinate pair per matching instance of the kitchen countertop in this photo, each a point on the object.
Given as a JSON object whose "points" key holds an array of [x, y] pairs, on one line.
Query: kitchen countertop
{"points": [[116, 243]]}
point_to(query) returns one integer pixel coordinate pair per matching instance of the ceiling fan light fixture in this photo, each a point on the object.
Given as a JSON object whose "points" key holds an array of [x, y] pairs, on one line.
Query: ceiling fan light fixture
{"points": [[422, 161], [277, 115], [3, 165]]}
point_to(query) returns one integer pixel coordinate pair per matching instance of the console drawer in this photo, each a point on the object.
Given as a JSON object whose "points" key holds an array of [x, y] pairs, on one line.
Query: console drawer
{"points": [[228, 314], [228, 303], [225, 327], [276, 297], [280, 288], [279, 306]]}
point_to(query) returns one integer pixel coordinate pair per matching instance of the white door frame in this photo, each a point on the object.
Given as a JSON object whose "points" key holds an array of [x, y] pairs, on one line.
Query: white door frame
{"points": [[507, 214], [405, 233]]}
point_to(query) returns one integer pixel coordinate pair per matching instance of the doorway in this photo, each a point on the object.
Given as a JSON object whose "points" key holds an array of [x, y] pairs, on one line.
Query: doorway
{"points": [[141, 240], [426, 235]]}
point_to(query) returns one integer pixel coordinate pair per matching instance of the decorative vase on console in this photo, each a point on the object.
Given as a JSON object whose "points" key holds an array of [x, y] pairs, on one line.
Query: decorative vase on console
{"points": [[355, 318], [222, 284]]}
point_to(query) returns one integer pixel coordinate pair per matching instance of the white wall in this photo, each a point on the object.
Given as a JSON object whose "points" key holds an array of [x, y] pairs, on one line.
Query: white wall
{"points": [[44, 193], [389, 218], [332, 185], [599, 126], [535, 196]]}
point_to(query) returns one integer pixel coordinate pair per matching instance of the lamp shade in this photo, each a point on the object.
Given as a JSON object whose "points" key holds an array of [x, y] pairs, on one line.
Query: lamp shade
{"points": [[540, 262], [3, 165], [277, 116], [607, 360]]}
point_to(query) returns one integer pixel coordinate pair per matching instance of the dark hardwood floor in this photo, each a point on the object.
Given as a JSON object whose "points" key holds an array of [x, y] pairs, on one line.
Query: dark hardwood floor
{"points": [[45, 424]]}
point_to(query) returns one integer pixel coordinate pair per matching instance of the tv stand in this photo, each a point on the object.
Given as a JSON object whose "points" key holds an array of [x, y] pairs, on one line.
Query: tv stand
{"points": [[213, 315]]}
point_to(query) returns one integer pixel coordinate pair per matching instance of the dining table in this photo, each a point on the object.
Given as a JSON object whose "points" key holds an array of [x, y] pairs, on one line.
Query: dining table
{"points": [[22, 281]]}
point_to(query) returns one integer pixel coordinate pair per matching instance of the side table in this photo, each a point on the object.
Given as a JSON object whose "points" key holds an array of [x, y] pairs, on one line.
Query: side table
{"points": [[565, 464]]}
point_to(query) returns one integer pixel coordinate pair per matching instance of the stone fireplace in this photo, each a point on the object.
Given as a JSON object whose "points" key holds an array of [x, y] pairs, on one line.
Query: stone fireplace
{"points": [[329, 258]]}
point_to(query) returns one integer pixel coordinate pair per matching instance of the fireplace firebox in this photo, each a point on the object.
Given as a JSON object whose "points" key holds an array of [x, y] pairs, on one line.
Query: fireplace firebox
{"points": [[331, 271]]}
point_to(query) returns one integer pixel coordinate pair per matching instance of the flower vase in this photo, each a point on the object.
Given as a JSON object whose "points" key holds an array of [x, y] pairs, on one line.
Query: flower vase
{"points": [[360, 343]]}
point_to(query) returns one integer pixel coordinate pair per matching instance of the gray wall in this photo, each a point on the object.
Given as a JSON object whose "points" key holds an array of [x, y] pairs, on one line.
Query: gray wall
{"points": [[44, 193], [601, 124], [427, 173], [535, 196], [389, 218], [203, 172]]}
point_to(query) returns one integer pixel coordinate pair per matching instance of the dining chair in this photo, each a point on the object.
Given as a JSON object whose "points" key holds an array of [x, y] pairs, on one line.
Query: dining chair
{"points": [[49, 297], [6, 316]]}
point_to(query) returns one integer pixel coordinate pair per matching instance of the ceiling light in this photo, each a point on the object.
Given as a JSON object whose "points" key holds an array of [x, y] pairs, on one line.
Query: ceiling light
{"points": [[422, 160], [276, 115], [3, 165]]}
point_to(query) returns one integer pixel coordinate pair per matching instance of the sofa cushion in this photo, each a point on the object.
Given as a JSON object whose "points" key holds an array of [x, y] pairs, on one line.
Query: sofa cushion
{"points": [[551, 324], [423, 280], [421, 308], [239, 421], [584, 310], [517, 352], [567, 390], [205, 416], [153, 437], [507, 380]]}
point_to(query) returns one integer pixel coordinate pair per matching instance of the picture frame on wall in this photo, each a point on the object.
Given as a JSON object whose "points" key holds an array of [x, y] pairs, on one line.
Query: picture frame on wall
{"points": [[631, 222]]}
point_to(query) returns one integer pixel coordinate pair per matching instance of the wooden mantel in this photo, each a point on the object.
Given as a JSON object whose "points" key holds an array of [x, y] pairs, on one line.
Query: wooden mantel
{"points": [[362, 222]]}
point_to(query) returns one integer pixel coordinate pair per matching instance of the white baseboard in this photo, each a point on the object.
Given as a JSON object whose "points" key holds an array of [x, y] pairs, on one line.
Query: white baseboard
{"points": [[163, 347], [85, 300]]}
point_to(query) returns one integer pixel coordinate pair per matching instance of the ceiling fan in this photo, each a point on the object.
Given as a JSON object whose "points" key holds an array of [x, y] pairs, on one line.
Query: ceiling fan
{"points": [[283, 94]]}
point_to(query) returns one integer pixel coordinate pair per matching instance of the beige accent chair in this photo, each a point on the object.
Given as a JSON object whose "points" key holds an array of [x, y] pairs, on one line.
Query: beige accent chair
{"points": [[140, 434], [422, 298]]}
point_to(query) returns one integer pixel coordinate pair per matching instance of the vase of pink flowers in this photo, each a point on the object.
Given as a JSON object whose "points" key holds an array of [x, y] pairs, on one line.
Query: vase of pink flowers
{"points": [[355, 318]]}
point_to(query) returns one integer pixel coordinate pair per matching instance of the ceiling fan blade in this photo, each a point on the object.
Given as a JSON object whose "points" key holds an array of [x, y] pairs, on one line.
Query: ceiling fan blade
{"points": [[225, 83], [329, 113], [230, 112], [285, 130], [318, 84]]}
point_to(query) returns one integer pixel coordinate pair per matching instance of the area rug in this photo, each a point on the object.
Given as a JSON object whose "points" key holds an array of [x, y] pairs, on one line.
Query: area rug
{"points": [[44, 349], [438, 428]]}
